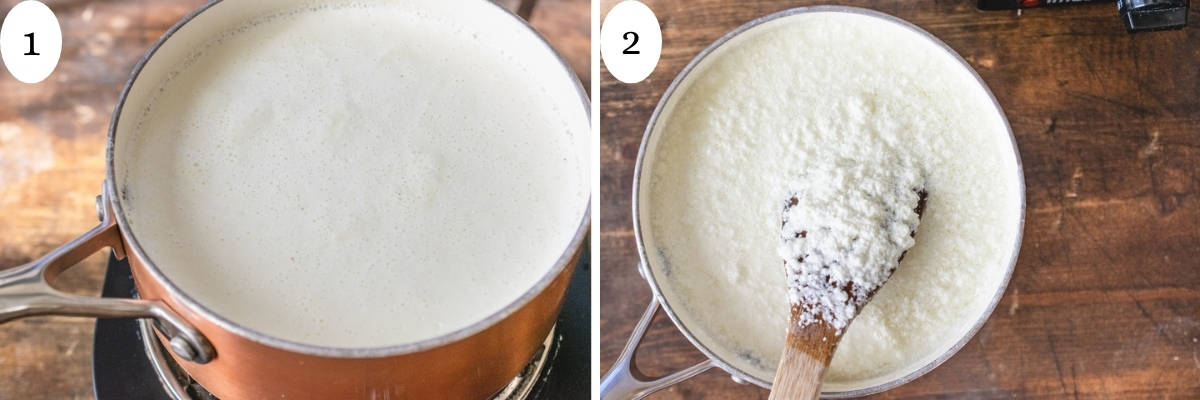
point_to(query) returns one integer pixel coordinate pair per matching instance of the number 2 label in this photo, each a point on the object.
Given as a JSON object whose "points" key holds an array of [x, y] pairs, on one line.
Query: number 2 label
{"points": [[630, 41], [630, 50]]}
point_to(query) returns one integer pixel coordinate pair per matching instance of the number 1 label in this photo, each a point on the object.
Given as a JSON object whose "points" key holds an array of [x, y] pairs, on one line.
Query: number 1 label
{"points": [[31, 52], [30, 41]]}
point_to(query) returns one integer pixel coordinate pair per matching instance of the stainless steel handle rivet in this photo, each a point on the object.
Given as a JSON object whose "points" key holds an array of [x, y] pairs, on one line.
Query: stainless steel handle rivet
{"points": [[180, 346], [100, 207]]}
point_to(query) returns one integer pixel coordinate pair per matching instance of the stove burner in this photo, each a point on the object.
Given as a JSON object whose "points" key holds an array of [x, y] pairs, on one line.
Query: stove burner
{"points": [[180, 386], [124, 366]]}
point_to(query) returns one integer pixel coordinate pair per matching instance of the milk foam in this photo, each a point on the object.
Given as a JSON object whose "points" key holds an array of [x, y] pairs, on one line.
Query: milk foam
{"points": [[359, 176]]}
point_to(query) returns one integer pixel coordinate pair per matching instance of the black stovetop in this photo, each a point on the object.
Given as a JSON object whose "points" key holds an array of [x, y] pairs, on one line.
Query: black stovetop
{"points": [[121, 369]]}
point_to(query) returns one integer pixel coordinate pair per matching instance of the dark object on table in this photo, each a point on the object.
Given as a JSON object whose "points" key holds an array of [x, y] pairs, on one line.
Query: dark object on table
{"points": [[1015, 4], [1153, 15], [1137, 15]]}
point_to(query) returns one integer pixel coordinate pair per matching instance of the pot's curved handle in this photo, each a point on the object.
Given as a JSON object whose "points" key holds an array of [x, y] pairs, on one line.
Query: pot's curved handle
{"points": [[25, 291], [625, 381]]}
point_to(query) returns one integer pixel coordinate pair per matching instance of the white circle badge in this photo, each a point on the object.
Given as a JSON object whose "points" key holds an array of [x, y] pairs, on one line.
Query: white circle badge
{"points": [[30, 41], [630, 41]]}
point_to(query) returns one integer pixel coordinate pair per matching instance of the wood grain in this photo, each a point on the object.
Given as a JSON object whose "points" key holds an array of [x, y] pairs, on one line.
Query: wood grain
{"points": [[52, 138], [806, 355], [1105, 300]]}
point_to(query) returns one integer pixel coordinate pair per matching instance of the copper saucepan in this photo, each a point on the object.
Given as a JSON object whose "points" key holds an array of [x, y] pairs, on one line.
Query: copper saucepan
{"points": [[235, 362]]}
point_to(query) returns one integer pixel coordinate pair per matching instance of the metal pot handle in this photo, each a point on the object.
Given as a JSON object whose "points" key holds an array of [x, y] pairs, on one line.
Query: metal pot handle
{"points": [[626, 382], [26, 291]]}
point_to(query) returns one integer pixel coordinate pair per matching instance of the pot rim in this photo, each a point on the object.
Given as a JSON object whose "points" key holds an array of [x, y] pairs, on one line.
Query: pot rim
{"points": [[326, 351], [648, 273]]}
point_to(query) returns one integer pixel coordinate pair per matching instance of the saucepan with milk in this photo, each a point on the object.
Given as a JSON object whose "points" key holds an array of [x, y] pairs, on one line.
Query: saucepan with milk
{"points": [[340, 199], [777, 99]]}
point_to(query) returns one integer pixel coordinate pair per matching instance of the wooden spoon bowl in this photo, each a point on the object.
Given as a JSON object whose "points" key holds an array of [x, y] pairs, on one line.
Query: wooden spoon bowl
{"points": [[809, 347]]}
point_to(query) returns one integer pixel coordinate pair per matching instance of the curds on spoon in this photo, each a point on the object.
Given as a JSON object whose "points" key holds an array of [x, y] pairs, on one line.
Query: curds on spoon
{"points": [[838, 250]]}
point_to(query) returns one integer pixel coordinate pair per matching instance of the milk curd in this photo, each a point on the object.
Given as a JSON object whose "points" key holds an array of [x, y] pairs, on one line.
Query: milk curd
{"points": [[765, 108]]}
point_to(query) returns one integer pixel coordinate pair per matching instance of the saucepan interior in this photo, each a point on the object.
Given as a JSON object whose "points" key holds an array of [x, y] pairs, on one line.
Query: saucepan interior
{"points": [[658, 268], [187, 40]]}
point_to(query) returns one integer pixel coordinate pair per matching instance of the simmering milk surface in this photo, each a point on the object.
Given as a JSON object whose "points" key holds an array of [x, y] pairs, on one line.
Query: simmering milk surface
{"points": [[756, 115], [359, 176]]}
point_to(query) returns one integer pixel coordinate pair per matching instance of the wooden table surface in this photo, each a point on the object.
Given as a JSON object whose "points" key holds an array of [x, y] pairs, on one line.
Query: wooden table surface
{"points": [[1105, 300], [52, 138]]}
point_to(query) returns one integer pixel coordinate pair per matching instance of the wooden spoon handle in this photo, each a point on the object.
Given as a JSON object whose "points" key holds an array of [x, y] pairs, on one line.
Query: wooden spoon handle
{"points": [[804, 360], [802, 379]]}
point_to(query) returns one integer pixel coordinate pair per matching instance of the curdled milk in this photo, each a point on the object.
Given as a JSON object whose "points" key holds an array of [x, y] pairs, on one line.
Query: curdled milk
{"points": [[845, 227], [360, 175], [761, 111]]}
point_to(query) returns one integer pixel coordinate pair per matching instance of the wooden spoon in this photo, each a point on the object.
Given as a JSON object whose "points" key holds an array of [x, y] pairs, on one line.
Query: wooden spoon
{"points": [[809, 348]]}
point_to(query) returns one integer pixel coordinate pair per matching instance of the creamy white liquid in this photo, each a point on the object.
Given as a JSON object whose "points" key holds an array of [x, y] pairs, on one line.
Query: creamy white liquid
{"points": [[754, 116], [359, 176]]}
